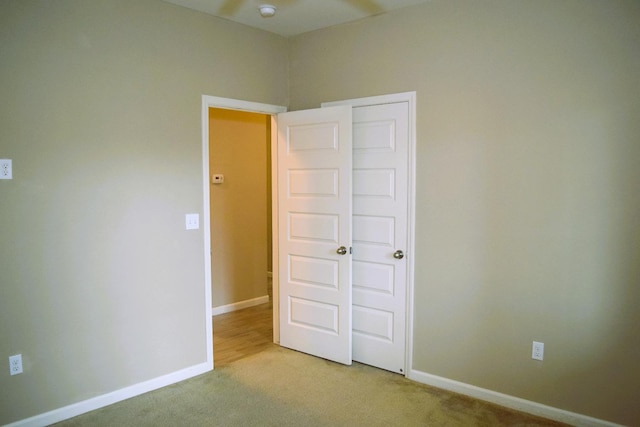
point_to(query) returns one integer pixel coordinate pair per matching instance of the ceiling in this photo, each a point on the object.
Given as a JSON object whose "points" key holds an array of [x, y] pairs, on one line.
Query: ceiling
{"points": [[295, 16]]}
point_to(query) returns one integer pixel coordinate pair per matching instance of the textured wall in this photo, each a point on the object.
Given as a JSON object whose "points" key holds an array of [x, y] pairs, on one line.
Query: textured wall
{"points": [[101, 286], [527, 186]]}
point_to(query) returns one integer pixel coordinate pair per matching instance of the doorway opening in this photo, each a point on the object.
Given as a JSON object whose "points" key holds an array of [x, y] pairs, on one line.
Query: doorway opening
{"points": [[218, 305], [240, 232]]}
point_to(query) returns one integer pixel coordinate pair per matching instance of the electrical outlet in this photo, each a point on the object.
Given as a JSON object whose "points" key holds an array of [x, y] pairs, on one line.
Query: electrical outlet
{"points": [[15, 364], [6, 170], [537, 352]]}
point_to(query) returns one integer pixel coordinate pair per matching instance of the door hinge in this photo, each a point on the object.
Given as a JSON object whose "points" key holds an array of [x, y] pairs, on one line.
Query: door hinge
{"points": [[350, 250]]}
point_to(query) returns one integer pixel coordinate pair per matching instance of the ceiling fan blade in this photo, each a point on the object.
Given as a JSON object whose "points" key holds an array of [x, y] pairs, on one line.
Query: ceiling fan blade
{"points": [[370, 7], [230, 7]]}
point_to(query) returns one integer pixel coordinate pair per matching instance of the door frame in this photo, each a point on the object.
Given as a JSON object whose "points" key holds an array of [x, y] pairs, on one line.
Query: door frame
{"points": [[228, 104], [410, 98], [273, 110]]}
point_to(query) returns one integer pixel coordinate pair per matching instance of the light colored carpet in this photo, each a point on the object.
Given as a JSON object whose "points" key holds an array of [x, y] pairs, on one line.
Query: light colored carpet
{"points": [[280, 387]]}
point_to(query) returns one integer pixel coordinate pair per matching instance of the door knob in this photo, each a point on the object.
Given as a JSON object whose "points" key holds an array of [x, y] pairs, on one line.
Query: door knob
{"points": [[341, 250], [398, 254]]}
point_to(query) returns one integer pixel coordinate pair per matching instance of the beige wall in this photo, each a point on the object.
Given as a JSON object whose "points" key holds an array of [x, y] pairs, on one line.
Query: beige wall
{"points": [[239, 142], [527, 206], [527, 186], [101, 286]]}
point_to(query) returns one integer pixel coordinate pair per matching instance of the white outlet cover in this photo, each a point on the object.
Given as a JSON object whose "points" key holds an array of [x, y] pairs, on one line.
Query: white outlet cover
{"points": [[537, 351], [15, 364], [6, 169]]}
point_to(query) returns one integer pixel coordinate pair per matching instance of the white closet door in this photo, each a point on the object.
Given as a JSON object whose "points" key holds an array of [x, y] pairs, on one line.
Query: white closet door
{"points": [[315, 209], [380, 207]]}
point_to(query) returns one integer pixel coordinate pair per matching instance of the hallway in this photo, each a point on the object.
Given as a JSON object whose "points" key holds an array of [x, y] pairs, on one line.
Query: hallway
{"points": [[242, 333]]}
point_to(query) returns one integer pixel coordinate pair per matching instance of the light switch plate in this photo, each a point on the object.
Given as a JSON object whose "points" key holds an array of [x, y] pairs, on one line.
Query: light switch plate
{"points": [[192, 221], [6, 170]]}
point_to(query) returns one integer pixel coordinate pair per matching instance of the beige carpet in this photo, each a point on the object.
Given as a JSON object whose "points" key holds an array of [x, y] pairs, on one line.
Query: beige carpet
{"points": [[280, 387]]}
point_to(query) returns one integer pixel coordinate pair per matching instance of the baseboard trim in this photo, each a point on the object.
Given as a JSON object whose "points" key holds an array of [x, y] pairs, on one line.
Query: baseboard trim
{"points": [[239, 305], [512, 402], [98, 402]]}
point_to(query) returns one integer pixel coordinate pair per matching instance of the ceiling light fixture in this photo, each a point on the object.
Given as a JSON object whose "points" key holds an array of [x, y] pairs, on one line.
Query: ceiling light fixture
{"points": [[267, 10]]}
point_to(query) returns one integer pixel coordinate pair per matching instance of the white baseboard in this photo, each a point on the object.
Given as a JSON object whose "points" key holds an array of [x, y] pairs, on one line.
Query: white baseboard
{"points": [[98, 402], [239, 305], [512, 402]]}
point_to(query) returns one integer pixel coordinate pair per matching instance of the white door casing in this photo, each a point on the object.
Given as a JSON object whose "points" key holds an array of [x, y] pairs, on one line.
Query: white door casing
{"points": [[408, 97], [230, 104], [314, 211]]}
